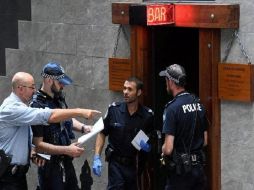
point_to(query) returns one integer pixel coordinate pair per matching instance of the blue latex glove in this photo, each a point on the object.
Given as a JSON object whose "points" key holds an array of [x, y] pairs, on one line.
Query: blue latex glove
{"points": [[145, 146], [97, 165]]}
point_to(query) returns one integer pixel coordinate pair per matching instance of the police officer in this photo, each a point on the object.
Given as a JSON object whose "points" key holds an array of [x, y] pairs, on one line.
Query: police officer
{"points": [[58, 173], [185, 128], [122, 122]]}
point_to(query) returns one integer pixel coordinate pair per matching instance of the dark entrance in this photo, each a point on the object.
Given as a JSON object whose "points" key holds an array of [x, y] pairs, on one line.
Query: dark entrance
{"points": [[169, 46]]}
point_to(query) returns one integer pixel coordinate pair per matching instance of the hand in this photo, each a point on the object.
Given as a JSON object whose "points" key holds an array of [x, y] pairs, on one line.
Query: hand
{"points": [[39, 161], [97, 165], [145, 146], [92, 113], [74, 151], [87, 128]]}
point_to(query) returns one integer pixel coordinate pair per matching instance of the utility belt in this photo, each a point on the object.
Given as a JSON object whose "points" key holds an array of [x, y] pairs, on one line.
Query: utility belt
{"points": [[197, 159], [111, 155], [124, 160], [5, 161], [60, 158], [16, 170], [182, 163]]}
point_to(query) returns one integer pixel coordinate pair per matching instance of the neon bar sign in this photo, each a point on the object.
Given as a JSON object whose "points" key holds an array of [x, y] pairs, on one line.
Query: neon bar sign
{"points": [[159, 14]]}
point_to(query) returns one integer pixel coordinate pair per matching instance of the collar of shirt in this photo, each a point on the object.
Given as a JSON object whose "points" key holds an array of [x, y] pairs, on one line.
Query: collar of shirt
{"points": [[45, 94], [182, 94], [124, 108]]}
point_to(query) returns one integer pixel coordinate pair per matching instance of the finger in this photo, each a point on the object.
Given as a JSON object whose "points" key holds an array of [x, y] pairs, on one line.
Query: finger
{"points": [[76, 144]]}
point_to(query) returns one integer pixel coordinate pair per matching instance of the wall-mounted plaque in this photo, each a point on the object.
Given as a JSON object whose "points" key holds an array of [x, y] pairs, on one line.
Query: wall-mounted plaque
{"points": [[119, 71], [236, 82]]}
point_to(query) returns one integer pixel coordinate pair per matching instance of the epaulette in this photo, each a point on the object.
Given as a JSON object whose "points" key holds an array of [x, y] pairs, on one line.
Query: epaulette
{"points": [[39, 98], [196, 98], [149, 110], [114, 104], [170, 102]]}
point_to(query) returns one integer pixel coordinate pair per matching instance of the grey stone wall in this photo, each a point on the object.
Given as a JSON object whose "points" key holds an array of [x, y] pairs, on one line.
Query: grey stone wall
{"points": [[80, 35], [237, 134]]}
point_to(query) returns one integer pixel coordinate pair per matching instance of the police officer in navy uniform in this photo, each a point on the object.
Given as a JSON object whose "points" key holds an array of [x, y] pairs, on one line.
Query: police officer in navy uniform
{"points": [[58, 173], [185, 128], [122, 122]]}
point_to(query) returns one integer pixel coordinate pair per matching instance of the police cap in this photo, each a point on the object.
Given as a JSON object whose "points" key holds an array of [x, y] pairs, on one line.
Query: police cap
{"points": [[176, 73], [55, 71]]}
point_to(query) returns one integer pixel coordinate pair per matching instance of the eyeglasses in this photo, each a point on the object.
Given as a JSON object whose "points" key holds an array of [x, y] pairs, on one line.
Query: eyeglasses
{"points": [[31, 87]]}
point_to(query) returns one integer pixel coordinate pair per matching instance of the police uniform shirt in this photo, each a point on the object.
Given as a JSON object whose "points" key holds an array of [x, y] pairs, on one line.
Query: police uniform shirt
{"points": [[42, 100], [178, 121], [121, 127]]}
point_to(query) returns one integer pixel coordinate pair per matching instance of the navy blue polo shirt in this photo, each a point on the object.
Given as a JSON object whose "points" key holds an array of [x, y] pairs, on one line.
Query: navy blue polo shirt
{"points": [[178, 121], [121, 127]]}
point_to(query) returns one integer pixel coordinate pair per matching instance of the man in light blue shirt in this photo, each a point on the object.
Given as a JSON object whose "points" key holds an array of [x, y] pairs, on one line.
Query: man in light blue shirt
{"points": [[15, 133]]}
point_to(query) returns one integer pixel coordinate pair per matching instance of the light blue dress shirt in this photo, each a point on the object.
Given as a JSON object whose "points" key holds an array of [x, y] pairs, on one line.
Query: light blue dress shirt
{"points": [[15, 121]]}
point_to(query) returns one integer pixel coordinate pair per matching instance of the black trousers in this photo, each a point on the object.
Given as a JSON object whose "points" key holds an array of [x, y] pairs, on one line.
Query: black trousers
{"points": [[16, 181], [121, 177], [51, 176], [194, 180]]}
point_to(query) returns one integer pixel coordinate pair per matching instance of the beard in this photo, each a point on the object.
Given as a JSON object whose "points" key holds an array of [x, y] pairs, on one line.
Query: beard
{"points": [[131, 99], [58, 94]]}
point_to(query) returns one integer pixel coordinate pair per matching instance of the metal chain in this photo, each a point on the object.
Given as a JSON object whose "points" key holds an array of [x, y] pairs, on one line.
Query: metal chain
{"points": [[244, 52], [117, 40], [229, 46], [118, 37], [126, 37], [235, 35]]}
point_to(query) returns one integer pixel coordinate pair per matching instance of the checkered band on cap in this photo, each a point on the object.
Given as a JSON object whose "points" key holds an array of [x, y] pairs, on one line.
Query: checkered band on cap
{"points": [[45, 75], [173, 72], [55, 71]]}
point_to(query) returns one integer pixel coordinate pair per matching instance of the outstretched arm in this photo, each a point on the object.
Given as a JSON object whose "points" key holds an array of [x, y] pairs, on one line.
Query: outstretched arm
{"points": [[58, 115]]}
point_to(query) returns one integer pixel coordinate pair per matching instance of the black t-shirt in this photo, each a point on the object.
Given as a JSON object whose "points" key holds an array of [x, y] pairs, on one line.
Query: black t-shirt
{"points": [[121, 127], [178, 120]]}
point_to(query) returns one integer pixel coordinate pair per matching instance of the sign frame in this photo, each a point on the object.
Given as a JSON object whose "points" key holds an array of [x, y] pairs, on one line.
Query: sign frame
{"points": [[162, 13], [235, 82]]}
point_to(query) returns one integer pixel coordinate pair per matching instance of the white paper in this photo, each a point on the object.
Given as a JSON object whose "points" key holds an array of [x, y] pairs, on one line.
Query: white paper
{"points": [[97, 127], [45, 156], [140, 136]]}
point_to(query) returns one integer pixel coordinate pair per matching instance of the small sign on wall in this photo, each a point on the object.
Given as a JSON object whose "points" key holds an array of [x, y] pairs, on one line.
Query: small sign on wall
{"points": [[236, 82], [119, 71]]}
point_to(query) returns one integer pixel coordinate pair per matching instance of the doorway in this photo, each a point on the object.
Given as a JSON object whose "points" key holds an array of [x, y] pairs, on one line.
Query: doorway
{"points": [[170, 46]]}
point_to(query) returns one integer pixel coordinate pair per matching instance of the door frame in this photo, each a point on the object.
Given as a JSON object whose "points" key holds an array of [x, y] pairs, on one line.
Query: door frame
{"points": [[209, 19], [209, 57]]}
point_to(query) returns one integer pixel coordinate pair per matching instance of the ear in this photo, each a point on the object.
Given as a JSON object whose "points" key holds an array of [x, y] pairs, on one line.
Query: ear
{"points": [[139, 92], [49, 81]]}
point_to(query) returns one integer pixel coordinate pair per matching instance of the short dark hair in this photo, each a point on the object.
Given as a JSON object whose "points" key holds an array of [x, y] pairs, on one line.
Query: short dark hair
{"points": [[138, 82]]}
